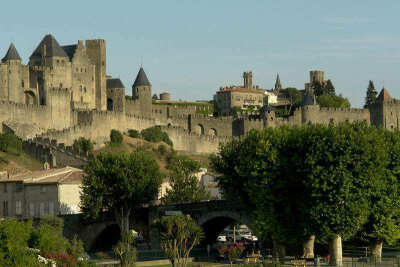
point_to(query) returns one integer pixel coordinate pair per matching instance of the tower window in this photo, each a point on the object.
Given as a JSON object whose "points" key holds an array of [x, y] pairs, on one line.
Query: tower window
{"points": [[22, 83]]}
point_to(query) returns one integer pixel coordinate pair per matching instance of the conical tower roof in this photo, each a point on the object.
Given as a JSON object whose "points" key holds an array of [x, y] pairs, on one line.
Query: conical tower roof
{"points": [[309, 98], [141, 79], [384, 96], [278, 84], [53, 49], [12, 53]]}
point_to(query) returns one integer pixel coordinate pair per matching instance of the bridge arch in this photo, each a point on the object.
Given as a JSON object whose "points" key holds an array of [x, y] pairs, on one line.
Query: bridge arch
{"points": [[212, 132], [213, 223]]}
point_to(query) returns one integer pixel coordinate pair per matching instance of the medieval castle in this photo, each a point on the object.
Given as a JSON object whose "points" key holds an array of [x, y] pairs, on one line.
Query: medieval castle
{"points": [[64, 93]]}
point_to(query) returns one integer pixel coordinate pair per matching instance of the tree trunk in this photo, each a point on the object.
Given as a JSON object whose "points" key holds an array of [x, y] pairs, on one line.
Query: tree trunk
{"points": [[278, 251], [376, 250], [308, 247], [335, 251], [123, 221]]}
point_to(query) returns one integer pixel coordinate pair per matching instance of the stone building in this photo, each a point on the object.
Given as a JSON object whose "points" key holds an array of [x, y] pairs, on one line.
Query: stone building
{"points": [[229, 99], [39, 193]]}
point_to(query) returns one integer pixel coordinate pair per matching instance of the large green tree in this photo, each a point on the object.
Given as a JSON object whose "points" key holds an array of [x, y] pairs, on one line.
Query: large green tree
{"points": [[118, 183], [184, 185], [306, 181], [371, 94], [333, 101]]}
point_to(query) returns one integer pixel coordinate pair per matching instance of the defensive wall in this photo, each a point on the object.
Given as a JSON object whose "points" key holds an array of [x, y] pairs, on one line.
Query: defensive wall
{"points": [[316, 114], [187, 141], [56, 154]]}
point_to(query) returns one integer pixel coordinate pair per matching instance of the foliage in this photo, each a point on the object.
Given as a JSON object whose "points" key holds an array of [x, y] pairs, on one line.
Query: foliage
{"points": [[116, 137], [333, 101], [48, 237], [125, 251], [14, 237], [155, 134], [295, 98], [162, 149], [179, 234], [155, 97], [371, 94], [305, 180], [184, 184], [329, 88], [10, 142], [133, 133], [83, 144], [119, 182], [232, 252]]}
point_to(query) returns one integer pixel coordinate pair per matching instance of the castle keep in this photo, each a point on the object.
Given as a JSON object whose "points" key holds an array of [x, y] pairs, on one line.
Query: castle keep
{"points": [[64, 93]]}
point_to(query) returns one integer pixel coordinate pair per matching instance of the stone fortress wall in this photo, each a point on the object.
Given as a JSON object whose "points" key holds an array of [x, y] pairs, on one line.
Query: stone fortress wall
{"points": [[66, 94]]}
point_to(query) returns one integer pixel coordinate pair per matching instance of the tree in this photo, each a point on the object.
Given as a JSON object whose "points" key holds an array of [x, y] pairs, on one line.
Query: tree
{"points": [[179, 235], [125, 250], [155, 134], [294, 96], [318, 88], [333, 101], [83, 144], [116, 137], [118, 183], [329, 88], [371, 94], [155, 97], [305, 181], [184, 184]]}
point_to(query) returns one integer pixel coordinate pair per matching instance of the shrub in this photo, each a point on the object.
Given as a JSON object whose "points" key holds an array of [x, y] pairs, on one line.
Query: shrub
{"points": [[155, 134], [133, 133], [10, 141], [83, 144], [125, 251], [116, 137], [162, 149]]}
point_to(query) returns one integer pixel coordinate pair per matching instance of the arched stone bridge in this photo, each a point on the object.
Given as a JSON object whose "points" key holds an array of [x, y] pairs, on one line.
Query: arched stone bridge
{"points": [[213, 216]]}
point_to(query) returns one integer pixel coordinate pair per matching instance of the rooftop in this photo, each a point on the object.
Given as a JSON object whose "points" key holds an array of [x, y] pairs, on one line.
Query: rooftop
{"points": [[66, 175]]}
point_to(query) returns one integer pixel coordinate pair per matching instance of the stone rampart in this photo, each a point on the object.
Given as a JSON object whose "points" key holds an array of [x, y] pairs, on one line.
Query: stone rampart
{"points": [[184, 140]]}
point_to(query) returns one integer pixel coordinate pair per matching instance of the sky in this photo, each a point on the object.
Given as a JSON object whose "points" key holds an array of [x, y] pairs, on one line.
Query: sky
{"points": [[190, 48]]}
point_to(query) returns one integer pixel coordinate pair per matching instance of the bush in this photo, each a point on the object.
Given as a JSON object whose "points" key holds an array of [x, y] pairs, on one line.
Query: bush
{"points": [[133, 133], [162, 149], [116, 137], [83, 144], [155, 134], [10, 141], [125, 251]]}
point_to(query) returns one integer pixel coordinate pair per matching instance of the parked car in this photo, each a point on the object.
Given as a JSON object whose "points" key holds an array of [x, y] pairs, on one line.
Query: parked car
{"points": [[221, 238]]}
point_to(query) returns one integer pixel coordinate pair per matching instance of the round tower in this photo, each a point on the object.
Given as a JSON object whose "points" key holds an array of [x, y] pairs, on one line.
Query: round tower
{"points": [[141, 92]]}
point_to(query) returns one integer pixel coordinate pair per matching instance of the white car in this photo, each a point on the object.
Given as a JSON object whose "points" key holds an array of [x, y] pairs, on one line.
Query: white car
{"points": [[221, 238]]}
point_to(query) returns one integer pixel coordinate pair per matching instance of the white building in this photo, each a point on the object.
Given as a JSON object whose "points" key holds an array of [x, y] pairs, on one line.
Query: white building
{"points": [[39, 193]]}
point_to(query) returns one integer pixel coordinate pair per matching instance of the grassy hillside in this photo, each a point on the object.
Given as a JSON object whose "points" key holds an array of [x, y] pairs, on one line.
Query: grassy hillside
{"points": [[130, 144], [16, 162]]}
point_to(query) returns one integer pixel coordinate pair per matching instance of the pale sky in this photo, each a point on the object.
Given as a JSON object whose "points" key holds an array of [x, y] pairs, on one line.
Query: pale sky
{"points": [[191, 48]]}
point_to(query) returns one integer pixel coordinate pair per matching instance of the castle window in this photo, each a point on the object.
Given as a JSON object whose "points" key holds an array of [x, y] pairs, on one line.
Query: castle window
{"points": [[80, 88], [22, 83], [84, 89], [81, 70], [76, 69], [58, 61], [81, 99]]}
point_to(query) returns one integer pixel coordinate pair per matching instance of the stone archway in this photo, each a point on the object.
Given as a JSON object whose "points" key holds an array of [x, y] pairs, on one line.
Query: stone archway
{"points": [[30, 98], [199, 129], [215, 222], [212, 132], [110, 104]]}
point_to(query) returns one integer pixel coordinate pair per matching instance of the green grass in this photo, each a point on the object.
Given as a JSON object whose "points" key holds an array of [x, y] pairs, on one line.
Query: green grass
{"points": [[20, 159], [194, 264]]}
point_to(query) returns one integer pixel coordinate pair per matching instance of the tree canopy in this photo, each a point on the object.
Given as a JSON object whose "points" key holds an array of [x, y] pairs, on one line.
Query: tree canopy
{"points": [[311, 180], [371, 94], [184, 185], [155, 134], [119, 182], [333, 101]]}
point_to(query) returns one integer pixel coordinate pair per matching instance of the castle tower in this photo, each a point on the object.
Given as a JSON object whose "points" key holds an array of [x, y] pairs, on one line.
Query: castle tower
{"points": [[248, 80], [96, 50], [48, 53], [278, 85], [115, 95], [317, 76], [309, 98], [385, 111], [13, 90], [141, 91]]}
